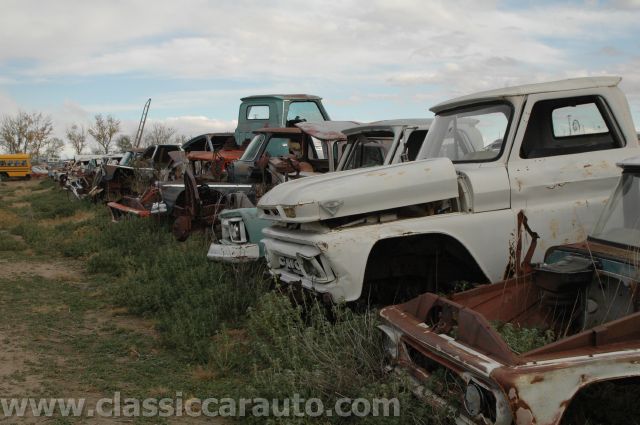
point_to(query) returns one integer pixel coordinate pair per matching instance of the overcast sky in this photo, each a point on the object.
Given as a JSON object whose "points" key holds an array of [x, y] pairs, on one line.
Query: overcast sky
{"points": [[369, 60]]}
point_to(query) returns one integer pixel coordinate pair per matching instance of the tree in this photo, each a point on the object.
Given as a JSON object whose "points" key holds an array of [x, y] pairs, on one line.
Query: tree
{"points": [[26, 132], [159, 134], [103, 131], [78, 138], [54, 147], [123, 143], [181, 139]]}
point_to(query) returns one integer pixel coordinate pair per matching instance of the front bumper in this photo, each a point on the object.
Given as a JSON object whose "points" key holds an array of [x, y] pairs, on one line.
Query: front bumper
{"points": [[303, 265], [228, 253]]}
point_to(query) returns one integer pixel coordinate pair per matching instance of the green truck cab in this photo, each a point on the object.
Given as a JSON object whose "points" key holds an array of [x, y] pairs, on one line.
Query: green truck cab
{"points": [[276, 110]]}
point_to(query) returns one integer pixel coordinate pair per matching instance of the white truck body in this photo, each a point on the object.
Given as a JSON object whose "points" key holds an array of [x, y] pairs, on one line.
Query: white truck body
{"points": [[332, 233]]}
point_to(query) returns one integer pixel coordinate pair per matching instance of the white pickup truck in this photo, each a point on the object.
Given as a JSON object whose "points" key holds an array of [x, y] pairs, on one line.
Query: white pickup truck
{"points": [[385, 233]]}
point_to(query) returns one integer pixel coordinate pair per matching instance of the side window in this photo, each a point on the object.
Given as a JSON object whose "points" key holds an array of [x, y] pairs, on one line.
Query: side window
{"points": [[414, 143], [568, 126], [369, 150], [304, 111], [279, 146], [2, 163], [258, 112]]}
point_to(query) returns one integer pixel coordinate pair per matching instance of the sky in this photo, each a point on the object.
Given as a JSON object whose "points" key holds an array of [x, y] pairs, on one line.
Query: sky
{"points": [[368, 60]]}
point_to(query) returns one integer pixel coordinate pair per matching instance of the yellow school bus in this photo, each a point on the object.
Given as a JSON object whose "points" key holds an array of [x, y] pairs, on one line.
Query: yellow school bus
{"points": [[15, 165]]}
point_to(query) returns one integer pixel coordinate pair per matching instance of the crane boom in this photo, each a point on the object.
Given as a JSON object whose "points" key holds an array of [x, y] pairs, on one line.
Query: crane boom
{"points": [[143, 120]]}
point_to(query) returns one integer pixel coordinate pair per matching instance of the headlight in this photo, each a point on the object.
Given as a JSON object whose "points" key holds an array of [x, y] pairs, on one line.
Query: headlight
{"points": [[289, 211], [473, 400], [234, 230]]}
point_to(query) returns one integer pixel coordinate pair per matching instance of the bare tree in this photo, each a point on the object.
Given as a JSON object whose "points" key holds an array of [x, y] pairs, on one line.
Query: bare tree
{"points": [[54, 147], [26, 132], [124, 143], [103, 131], [181, 139], [78, 138], [159, 134]]}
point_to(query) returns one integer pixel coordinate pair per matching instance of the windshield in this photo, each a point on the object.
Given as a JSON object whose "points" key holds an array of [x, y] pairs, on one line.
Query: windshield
{"points": [[304, 111], [252, 150], [468, 134], [620, 221]]}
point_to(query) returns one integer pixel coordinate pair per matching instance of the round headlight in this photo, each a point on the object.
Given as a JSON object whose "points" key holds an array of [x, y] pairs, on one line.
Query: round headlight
{"points": [[473, 400]]}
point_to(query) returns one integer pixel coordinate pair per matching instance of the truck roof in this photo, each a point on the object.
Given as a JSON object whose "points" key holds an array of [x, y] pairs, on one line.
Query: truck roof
{"points": [[424, 123], [551, 86], [327, 130], [283, 97]]}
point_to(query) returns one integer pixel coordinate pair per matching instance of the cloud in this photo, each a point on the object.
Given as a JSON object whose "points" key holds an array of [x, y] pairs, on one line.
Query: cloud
{"points": [[198, 39], [356, 54], [191, 126]]}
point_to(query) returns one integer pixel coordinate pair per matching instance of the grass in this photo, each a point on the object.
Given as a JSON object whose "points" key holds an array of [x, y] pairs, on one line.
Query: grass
{"points": [[521, 339], [220, 330]]}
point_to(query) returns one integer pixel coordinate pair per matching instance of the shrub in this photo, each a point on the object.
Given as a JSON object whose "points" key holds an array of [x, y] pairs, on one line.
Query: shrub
{"points": [[301, 351]]}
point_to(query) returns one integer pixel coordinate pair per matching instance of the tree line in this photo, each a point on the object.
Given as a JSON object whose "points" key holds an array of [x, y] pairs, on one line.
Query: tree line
{"points": [[33, 133]]}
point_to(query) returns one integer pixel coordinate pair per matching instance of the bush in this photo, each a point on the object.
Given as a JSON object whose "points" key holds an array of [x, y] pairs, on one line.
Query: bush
{"points": [[51, 204], [191, 297], [300, 351]]}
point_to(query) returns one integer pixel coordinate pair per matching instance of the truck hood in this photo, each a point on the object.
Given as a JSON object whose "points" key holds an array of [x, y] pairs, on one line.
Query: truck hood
{"points": [[361, 191]]}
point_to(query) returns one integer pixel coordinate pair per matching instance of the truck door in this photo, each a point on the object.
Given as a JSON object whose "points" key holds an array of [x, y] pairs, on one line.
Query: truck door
{"points": [[563, 164]]}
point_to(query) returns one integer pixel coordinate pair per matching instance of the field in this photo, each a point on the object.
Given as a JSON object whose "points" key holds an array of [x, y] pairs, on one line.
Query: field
{"points": [[91, 308]]}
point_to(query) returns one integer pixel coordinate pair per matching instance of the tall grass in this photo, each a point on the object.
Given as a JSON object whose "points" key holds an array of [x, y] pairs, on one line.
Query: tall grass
{"points": [[224, 317], [330, 357]]}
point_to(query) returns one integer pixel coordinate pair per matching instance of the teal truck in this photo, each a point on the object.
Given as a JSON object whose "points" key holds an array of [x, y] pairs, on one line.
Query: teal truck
{"points": [[276, 110]]}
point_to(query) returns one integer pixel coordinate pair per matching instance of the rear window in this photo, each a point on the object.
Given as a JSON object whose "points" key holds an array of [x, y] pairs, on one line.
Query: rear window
{"points": [[577, 120], [569, 126], [258, 112]]}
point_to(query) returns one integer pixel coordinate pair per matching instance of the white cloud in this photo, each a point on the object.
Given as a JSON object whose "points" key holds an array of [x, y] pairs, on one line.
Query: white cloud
{"points": [[199, 39], [8, 105], [420, 51]]}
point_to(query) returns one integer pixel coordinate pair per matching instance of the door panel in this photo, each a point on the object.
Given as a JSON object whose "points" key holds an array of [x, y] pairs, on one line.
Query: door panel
{"points": [[562, 193]]}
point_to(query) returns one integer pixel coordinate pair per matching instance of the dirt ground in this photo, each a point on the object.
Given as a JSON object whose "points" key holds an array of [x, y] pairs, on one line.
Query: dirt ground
{"points": [[61, 339]]}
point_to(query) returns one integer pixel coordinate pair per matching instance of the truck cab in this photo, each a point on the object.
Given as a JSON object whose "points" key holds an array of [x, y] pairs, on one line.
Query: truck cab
{"points": [[276, 110], [449, 218]]}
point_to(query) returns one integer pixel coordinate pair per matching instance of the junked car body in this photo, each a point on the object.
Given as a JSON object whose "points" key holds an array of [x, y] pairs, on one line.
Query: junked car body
{"points": [[367, 145], [137, 169], [584, 298], [205, 166], [395, 231]]}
